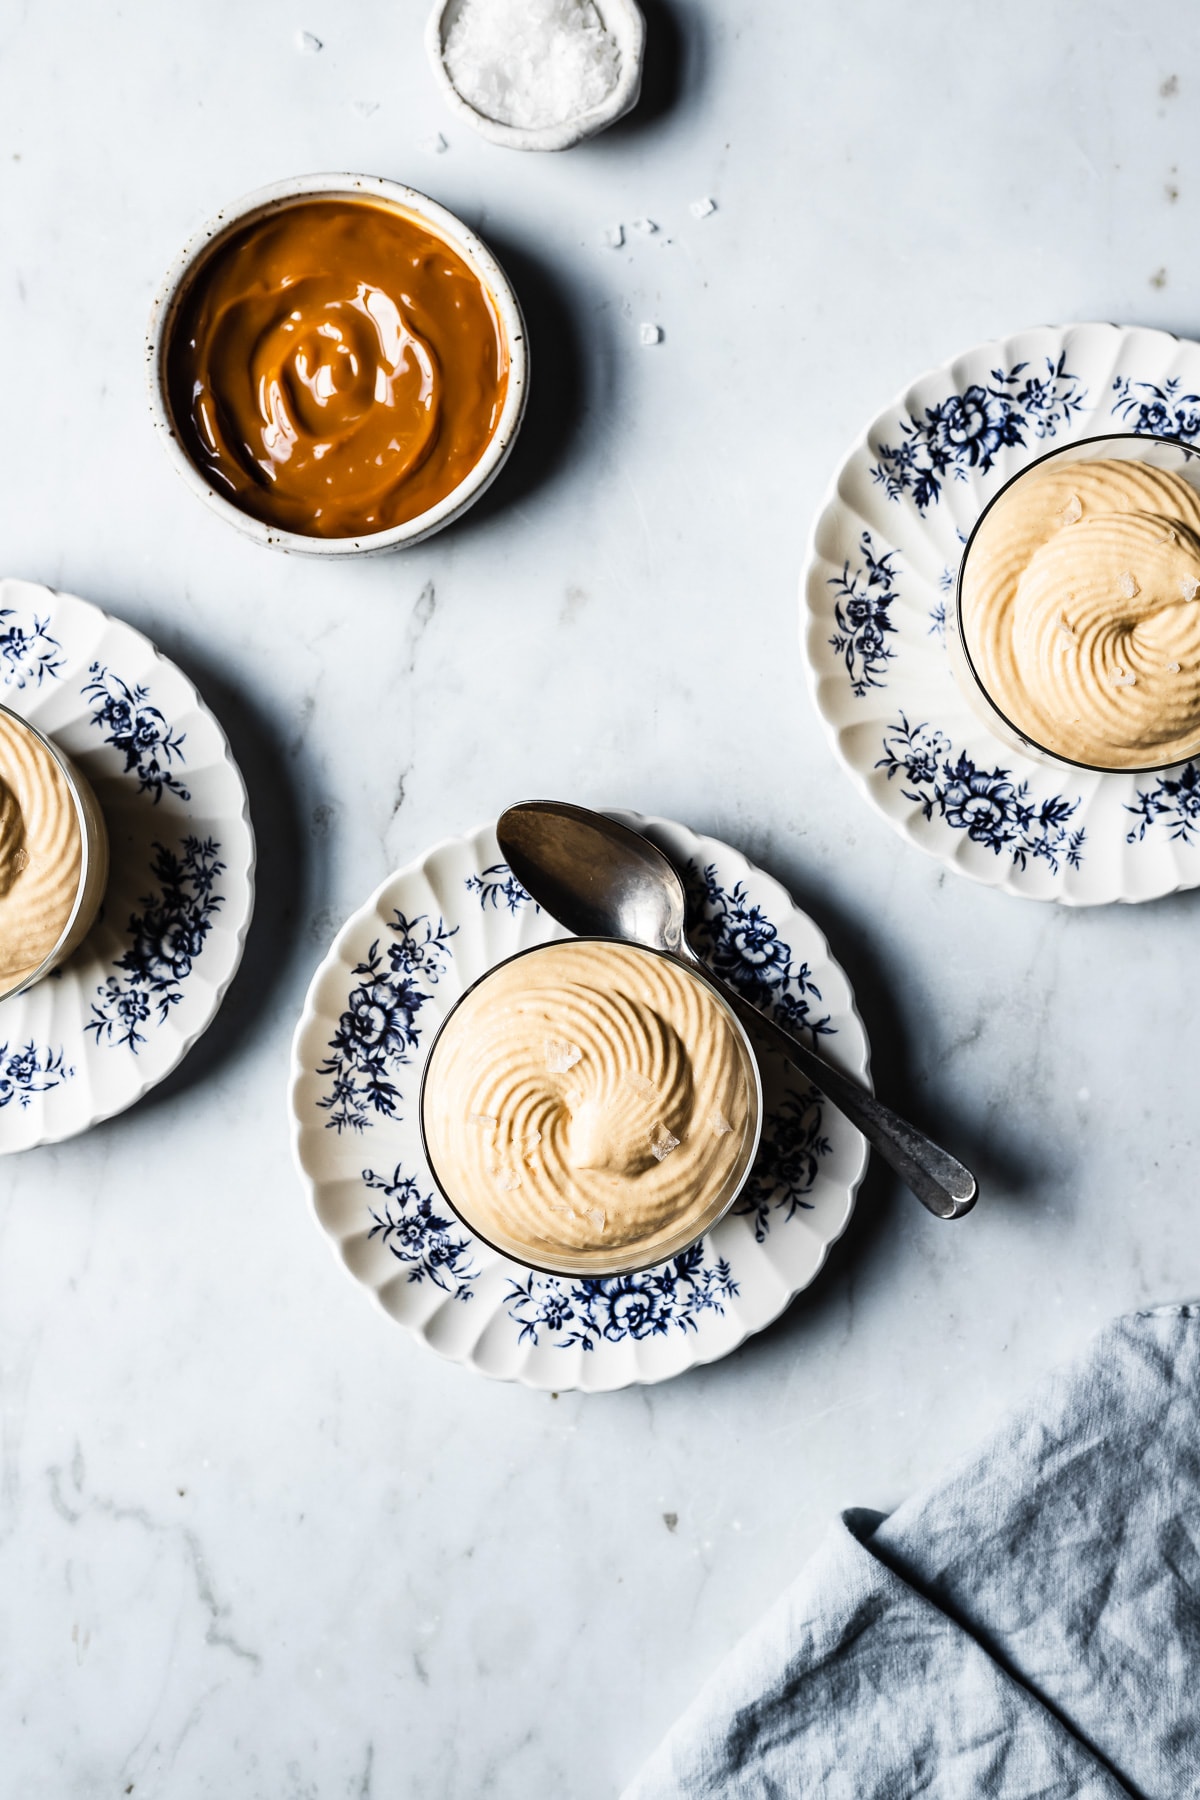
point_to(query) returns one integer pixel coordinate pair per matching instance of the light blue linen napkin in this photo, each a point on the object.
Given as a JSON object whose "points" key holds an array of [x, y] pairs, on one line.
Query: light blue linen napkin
{"points": [[1028, 1628]]}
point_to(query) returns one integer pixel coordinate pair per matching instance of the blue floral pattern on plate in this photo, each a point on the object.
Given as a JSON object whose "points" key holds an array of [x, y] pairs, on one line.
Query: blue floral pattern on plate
{"points": [[426, 1241], [863, 615], [131, 724], [1172, 802], [498, 886], [28, 654], [968, 430], [377, 1032], [166, 937], [1156, 408], [672, 1296], [988, 804], [30, 1070]]}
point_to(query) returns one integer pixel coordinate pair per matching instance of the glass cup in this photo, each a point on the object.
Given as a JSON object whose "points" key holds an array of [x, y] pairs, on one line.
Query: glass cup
{"points": [[1159, 453], [93, 859], [629, 1258]]}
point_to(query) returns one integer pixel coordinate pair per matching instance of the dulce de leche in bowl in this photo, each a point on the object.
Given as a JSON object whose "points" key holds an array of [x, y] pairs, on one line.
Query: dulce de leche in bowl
{"points": [[340, 365]]}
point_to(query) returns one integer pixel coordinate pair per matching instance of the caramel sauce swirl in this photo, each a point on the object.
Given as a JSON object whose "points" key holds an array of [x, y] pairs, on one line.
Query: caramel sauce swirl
{"points": [[336, 368]]}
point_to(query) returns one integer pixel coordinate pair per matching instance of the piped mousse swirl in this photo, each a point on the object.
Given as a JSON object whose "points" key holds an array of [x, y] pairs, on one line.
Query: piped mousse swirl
{"points": [[41, 852], [584, 1098], [336, 368], [1081, 611]]}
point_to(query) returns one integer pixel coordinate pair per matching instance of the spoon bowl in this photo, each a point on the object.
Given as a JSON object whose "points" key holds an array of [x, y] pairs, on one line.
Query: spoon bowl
{"points": [[599, 878]]}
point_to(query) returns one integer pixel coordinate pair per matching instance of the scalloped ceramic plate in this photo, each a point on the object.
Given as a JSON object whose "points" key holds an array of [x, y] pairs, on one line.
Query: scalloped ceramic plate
{"points": [[89, 1040], [879, 583], [372, 1011]]}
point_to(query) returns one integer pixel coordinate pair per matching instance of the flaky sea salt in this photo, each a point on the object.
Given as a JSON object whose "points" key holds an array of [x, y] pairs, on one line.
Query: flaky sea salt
{"points": [[508, 1180], [531, 63], [1072, 512], [1127, 581], [1189, 586], [560, 1055], [700, 209], [647, 227], [435, 145], [639, 1082], [1121, 679], [662, 1142], [1172, 668], [308, 43], [1065, 626], [719, 1122], [650, 334], [614, 237], [482, 1119]]}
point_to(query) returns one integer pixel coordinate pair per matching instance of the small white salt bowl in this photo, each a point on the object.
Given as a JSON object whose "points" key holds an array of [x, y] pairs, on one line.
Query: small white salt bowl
{"points": [[172, 294], [623, 21]]}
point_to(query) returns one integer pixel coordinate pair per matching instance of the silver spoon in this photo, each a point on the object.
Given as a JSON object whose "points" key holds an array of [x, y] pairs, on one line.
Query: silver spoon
{"points": [[600, 879]]}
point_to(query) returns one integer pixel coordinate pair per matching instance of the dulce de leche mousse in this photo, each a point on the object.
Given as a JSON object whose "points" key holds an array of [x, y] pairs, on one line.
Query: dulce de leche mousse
{"points": [[587, 1104], [1080, 610], [41, 852], [336, 368]]}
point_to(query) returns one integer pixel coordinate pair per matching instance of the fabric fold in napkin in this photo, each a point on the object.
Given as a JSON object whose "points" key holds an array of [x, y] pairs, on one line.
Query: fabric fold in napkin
{"points": [[1029, 1628]]}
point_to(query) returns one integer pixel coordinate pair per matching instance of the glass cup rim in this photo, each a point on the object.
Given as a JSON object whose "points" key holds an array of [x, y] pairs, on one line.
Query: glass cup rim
{"points": [[750, 1062], [1191, 453], [72, 780]]}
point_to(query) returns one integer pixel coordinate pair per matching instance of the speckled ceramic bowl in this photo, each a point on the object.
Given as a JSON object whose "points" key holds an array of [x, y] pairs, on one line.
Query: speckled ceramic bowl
{"points": [[621, 18], [195, 254]]}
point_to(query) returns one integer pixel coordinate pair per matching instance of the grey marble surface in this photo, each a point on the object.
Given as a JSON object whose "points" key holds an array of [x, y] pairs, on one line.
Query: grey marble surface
{"points": [[253, 1540]]}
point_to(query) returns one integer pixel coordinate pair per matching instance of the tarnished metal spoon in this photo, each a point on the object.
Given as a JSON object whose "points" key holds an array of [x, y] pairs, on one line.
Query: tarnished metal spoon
{"points": [[601, 879]]}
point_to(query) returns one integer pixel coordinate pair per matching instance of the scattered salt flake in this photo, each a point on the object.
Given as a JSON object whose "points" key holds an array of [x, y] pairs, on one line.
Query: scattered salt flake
{"points": [[1172, 668], [482, 1119], [364, 108], [647, 227], [1121, 679], [662, 1142], [637, 1080], [719, 1122], [559, 1055], [433, 146], [1127, 581], [1072, 512], [1065, 626], [1189, 586], [308, 43], [650, 334], [507, 1180], [700, 209], [614, 236], [598, 1217], [1169, 536]]}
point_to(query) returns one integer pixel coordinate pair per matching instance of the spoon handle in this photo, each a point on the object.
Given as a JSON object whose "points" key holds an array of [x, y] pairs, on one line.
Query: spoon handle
{"points": [[938, 1179]]}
